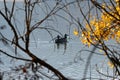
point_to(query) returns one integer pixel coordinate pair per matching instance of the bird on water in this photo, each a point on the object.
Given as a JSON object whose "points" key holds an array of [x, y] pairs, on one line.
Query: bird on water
{"points": [[61, 40]]}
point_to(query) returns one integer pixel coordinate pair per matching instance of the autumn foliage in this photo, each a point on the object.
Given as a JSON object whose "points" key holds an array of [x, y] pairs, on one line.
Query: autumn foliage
{"points": [[104, 28]]}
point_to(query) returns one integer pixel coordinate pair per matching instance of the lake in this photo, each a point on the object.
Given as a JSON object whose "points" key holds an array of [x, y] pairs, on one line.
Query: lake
{"points": [[71, 62]]}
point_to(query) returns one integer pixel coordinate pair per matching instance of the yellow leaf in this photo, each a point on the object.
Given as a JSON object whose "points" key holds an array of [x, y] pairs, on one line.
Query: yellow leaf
{"points": [[75, 32], [104, 54], [101, 50], [110, 64]]}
